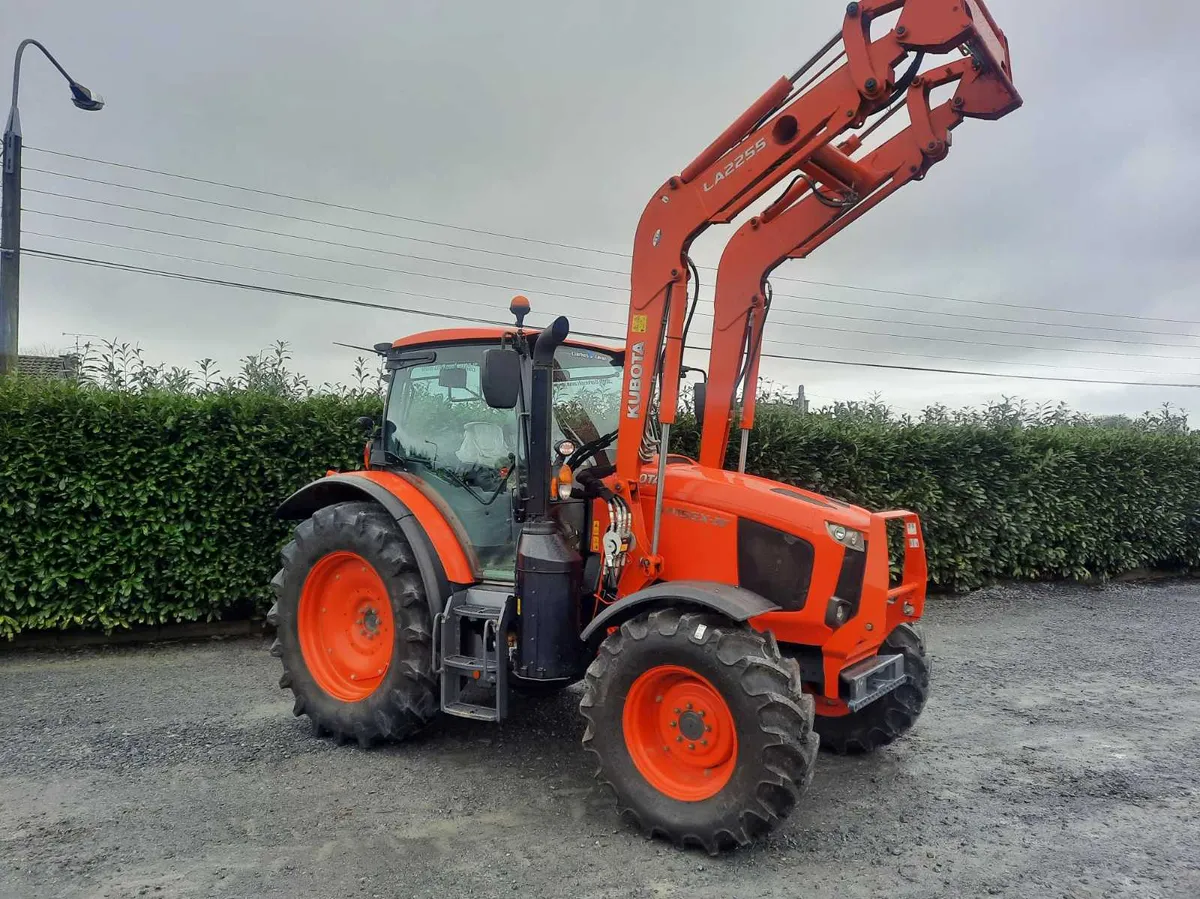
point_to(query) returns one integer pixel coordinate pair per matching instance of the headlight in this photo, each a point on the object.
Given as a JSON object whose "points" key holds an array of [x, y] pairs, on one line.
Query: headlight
{"points": [[848, 537]]}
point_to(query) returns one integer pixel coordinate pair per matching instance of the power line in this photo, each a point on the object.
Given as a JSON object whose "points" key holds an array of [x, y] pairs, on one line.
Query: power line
{"points": [[61, 257], [578, 248], [326, 204], [311, 258], [586, 299], [1130, 371], [852, 331], [285, 274], [581, 266], [984, 374], [319, 240], [309, 221], [221, 282], [989, 318]]}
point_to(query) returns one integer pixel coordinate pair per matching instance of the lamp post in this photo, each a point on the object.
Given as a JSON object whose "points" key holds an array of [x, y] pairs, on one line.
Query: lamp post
{"points": [[10, 208]]}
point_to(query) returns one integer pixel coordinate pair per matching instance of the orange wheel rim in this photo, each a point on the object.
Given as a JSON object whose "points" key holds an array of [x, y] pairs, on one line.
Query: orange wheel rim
{"points": [[680, 733], [345, 626]]}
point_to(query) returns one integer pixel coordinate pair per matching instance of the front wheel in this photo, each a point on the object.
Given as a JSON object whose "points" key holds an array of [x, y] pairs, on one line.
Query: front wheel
{"points": [[700, 728], [889, 717]]}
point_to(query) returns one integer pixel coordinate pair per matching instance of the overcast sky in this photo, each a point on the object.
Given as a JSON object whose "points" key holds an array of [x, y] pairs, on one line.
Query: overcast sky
{"points": [[555, 122]]}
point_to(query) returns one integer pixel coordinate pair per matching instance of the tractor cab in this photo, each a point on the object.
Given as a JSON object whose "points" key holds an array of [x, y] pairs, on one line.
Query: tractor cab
{"points": [[466, 454]]}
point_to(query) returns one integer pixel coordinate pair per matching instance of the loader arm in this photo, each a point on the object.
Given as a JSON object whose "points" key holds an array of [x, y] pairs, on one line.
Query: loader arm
{"points": [[789, 129], [831, 191]]}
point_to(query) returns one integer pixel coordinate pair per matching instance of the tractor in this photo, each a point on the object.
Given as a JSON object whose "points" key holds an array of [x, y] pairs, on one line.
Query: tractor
{"points": [[520, 524]]}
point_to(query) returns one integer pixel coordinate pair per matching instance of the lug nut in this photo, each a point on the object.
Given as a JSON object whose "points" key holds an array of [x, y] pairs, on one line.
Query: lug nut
{"points": [[689, 706], [673, 724], [691, 745], [708, 728], [679, 739], [701, 713], [658, 699], [704, 742], [678, 711]]}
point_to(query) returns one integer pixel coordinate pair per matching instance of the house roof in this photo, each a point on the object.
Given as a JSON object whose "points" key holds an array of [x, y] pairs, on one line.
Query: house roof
{"points": [[66, 367]]}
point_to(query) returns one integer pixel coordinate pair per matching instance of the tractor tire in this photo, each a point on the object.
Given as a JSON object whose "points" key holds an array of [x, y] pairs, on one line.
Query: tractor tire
{"points": [[353, 626], [700, 728], [886, 718]]}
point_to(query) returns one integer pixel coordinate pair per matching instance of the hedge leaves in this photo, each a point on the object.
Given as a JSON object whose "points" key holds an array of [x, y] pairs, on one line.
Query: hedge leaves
{"points": [[121, 508]]}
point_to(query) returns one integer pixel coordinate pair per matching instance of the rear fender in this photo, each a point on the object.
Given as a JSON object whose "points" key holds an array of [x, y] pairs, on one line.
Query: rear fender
{"points": [[443, 562], [735, 603]]}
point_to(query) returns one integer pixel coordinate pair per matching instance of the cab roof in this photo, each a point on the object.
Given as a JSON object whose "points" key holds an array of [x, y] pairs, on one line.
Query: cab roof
{"points": [[479, 335]]}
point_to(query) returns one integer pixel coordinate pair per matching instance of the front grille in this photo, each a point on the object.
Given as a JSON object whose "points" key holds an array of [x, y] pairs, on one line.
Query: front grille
{"points": [[774, 564]]}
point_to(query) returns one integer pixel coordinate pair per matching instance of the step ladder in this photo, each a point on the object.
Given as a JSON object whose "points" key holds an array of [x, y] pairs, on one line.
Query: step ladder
{"points": [[474, 652]]}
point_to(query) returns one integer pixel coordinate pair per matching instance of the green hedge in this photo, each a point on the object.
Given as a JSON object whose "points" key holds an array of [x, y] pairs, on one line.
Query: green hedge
{"points": [[119, 509]]}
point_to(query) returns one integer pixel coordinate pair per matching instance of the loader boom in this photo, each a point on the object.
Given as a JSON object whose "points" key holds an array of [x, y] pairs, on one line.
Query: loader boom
{"points": [[789, 131], [832, 191]]}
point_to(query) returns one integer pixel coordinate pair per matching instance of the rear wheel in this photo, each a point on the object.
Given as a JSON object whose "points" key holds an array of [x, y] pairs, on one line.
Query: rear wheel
{"points": [[353, 626], [887, 718], [699, 726]]}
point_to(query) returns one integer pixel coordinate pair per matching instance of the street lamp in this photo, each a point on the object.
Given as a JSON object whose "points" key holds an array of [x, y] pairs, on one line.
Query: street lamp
{"points": [[10, 208]]}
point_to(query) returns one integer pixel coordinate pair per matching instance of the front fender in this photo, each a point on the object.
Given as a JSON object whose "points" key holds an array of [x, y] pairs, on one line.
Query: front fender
{"points": [[441, 557], [735, 603]]}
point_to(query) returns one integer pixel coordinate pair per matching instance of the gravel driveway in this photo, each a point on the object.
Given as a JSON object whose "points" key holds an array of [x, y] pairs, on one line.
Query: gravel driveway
{"points": [[1059, 756]]}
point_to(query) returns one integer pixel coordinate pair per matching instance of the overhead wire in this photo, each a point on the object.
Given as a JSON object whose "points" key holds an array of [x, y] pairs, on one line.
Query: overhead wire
{"points": [[319, 240], [610, 271], [580, 248], [692, 312], [308, 221], [107, 264]]}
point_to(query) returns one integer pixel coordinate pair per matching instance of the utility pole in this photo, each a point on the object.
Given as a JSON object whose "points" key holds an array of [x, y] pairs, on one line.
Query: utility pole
{"points": [[10, 243], [10, 205]]}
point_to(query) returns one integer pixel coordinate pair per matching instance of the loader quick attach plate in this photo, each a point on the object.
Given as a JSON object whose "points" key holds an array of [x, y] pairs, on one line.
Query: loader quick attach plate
{"points": [[872, 678]]}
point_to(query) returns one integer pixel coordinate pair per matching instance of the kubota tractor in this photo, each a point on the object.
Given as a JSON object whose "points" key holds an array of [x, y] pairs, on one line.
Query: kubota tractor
{"points": [[520, 524]]}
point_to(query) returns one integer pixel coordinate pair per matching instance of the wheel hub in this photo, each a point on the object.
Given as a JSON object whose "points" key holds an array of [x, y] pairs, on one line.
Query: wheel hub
{"points": [[691, 726]]}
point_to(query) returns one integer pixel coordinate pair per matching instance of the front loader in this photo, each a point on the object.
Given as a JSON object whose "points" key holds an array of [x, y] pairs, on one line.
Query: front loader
{"points": [[520, 522]]}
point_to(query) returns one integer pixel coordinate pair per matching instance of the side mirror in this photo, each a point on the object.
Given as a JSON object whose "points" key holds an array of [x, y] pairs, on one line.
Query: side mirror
{"points": [[699, 394], [366, 424], [501, 378]]}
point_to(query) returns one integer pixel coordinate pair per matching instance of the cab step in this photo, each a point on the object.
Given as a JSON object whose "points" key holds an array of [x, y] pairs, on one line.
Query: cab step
{"points": [[473, 661]]}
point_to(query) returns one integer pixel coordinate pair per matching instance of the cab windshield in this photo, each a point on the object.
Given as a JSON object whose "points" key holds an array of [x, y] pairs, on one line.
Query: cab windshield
{"points": [[587, 395]]}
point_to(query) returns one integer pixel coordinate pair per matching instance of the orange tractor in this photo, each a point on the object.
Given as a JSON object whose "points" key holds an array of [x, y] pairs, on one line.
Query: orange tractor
{"points": [[520, 523]]}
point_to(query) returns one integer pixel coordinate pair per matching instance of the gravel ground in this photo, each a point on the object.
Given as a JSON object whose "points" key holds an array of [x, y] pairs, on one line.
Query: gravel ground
{"points": [[1059, 756]]}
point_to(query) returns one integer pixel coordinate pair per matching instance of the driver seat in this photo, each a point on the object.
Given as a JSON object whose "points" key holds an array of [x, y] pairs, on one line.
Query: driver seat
{"points": [[483, 444]]}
